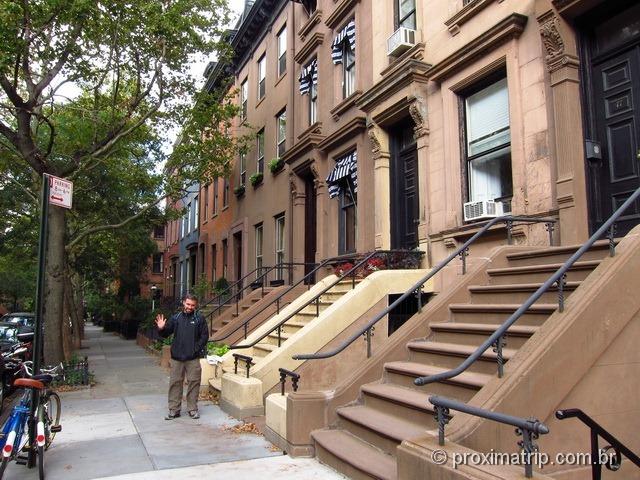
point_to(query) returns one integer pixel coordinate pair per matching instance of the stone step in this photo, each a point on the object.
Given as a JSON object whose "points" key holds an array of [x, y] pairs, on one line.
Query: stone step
{"points": [[476, 333], [497, 313], [516, 293], [409, 404], [542, 256], [350, 455], [539, 273]]}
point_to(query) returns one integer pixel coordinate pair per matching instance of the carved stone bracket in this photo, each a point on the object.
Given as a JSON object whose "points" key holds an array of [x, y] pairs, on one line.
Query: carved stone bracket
{"points": [[379, 141], [551, 39], [418, 112]]}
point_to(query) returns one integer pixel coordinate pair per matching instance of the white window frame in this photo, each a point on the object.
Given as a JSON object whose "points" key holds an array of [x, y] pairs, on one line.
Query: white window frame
{"points": [[281, 133], [280, 244], [282, 51], [259, 236], [244, 94], [262, 76]]}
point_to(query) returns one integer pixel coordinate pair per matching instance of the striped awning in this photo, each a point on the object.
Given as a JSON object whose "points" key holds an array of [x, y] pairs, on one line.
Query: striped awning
{"points": [[347, 34], [346, 169], [308, 75]]}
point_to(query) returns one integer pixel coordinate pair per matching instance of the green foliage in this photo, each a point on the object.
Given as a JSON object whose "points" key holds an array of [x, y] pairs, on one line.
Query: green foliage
{"points": [[218, 349], [256, 179], [276, 164], [158, 344], [239, 190], [220, 285], [202, 287]]}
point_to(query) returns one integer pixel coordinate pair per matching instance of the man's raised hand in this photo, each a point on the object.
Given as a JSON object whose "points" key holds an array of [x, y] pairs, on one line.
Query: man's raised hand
{"points": [[160, 321]]}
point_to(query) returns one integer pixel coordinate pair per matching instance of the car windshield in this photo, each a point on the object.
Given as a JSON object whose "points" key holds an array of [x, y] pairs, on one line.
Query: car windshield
{"points": [[18, 320], [8, 332]]}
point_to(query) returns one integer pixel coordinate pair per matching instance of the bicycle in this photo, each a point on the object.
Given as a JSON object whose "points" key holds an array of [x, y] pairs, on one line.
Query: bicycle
{"points": [[14, 438]]}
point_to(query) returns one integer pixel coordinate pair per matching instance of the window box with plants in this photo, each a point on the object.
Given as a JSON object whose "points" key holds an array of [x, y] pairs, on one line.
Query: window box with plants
{"points": [[256, 179], [275, 165], [239, 190]]}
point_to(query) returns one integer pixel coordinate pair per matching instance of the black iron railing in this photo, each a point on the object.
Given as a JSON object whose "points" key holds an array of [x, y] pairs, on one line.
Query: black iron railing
{"points": [[276, 301], [248, 362], [558, 279], [529, 428], [295, 378], [416, 289], [352, 272], [611, 455]]}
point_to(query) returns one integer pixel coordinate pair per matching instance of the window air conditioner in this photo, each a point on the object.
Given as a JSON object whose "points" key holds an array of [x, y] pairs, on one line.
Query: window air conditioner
{"points": [[401, 40], [482, 209]]}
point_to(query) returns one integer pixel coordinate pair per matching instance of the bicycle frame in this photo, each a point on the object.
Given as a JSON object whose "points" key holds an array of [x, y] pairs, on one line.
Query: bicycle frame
{"points": [[14, 430]]}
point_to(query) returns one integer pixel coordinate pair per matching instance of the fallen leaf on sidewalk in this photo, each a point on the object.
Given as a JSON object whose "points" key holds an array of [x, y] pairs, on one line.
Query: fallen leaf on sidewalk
{"points": [[243, 428], [209, 396]]}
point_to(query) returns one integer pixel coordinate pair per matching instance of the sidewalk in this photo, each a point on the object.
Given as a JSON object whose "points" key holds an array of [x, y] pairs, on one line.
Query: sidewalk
{"points": [[117, 429]]}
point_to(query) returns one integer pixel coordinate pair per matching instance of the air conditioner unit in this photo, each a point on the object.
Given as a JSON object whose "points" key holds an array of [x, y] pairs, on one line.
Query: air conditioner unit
{"points": [[401, 40], [482, 209]]}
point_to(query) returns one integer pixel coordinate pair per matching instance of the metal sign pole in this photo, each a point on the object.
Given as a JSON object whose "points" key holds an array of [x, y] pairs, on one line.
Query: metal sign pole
{"points": [[37, 339]]}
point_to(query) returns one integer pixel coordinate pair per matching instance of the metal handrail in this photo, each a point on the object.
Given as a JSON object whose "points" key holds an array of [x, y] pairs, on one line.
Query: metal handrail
{"points": [[275, 300], [600, 457], [295, 378], [528, 428], [460, 252], [558, 277], [352, 271], [229, 288]]}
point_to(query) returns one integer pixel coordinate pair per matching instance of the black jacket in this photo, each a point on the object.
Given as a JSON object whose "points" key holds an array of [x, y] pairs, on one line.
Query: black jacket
{"points": [[190, 335]]}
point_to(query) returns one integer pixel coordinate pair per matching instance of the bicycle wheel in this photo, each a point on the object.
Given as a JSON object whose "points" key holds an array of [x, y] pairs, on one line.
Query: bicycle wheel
{"points": [[2, 392], [40, 453], [51, 416]]}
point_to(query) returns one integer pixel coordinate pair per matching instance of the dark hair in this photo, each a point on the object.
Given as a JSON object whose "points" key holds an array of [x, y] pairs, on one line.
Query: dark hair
{"points": [[190, 296]]}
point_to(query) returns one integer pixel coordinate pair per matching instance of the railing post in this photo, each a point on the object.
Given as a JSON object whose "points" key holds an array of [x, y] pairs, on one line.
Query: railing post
{"points": [[463, 256], [246, 329], [509, 231], [294, 383], [317, 306], [442, 417], [498, 345], [528, 446], [283, 378], [367, 336], [611, 236], [561, 284], [279, 335], [235, 364], [248, 365], [278, 305], [549, 226], [419, 298], [596, 467]]}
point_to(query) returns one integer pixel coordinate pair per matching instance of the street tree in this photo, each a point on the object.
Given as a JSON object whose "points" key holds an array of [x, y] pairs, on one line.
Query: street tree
{"points": [[88, 85]]}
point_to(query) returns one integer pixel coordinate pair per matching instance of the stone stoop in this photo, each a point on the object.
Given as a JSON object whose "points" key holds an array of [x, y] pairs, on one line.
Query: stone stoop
{"points": [[363, 440]]}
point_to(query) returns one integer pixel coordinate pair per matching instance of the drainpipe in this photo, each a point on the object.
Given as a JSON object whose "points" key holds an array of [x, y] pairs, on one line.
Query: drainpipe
{"points": [[291, 25]]}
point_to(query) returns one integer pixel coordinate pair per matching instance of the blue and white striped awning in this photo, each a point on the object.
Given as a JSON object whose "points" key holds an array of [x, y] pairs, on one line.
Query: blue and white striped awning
{"points": [[346, 168], [348, 33], [308, 75]]}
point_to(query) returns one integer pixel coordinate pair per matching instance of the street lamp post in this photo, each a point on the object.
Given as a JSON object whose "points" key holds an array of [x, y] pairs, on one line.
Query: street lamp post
{"points": [[153, 297]]}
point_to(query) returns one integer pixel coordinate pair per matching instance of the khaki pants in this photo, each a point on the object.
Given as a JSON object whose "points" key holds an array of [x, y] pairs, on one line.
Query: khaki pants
{"points": [[191, 370]]}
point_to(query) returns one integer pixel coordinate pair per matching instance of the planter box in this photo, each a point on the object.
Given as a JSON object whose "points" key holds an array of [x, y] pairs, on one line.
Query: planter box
{"points": [[165, 357]]}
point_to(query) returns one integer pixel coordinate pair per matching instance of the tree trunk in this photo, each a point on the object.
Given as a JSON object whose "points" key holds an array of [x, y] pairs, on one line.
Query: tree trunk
{"points": [[54, 287]]}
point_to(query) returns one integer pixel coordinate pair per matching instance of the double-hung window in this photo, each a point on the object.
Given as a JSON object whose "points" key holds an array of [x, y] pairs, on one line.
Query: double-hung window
{"points": [[488, 144], [243, 168], [281, 120], [225, 193], [196, 213], [348, 219], [282, 51], [215, 197], [260, 152], [205, 210], [225, 258], [262, 74], [348, 70], [405, 13], [244, 94], [280, 245], [158, 259], [214, 263], [259, 232]]}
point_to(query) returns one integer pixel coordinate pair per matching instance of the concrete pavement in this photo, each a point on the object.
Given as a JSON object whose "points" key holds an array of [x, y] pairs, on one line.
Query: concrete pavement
{"points": [[117, 430]]}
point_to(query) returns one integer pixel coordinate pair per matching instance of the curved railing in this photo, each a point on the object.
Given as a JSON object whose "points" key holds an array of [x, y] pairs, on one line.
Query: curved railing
{"points": [[558, 278], [278, 327], [461, 252]]}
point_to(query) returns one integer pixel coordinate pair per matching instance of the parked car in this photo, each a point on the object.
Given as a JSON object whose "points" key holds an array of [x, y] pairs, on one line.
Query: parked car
{"points": [[20, 318], [12, 349]]}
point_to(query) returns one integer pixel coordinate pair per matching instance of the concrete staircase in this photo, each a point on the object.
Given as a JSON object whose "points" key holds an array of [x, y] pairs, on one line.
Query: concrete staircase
{"points": [[363, 441], [228, 312]]}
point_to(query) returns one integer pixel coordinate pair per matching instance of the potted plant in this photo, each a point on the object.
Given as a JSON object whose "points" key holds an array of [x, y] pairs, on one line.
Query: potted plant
{"points": [[239, 190], [276, 164], [256, 179], [343, 268]]}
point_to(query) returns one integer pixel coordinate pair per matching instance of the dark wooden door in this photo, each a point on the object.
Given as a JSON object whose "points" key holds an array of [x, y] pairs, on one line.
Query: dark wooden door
{"points": [[615, 74], [237, 253], [404, 190], [310, 245]]}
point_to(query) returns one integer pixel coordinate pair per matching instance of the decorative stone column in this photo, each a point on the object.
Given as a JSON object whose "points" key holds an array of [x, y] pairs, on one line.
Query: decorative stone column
{"points": [[563, 66], [418, 111], [296, 219], [381, 181]]}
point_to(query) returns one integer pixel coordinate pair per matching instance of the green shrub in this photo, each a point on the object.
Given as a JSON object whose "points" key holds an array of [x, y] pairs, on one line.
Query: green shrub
{"points": [[218, 349]]}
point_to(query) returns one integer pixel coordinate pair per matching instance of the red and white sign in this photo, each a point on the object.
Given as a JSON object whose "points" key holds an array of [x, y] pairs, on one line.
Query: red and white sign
{"points": [[60, 192]]}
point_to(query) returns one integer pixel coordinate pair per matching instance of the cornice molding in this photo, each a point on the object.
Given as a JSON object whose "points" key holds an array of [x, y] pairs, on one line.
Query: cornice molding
{"points": [[465, 14], [348, 131], [340, 12], [345, 105], [314, 19], [308, 140], [508, 28], [308, 48]]}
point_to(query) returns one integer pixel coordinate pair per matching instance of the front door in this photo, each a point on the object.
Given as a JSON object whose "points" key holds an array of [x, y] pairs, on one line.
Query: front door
{"points": [[237, 255], [614, 71], [309, 225], [404, 189]]}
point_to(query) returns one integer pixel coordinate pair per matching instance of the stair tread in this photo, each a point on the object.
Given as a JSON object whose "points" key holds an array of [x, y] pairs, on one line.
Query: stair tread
{"points": [[599, 244], [473, 379], [585, 264], [357, 453], [519, 287], [483, 328], [501, 307], [383, 424], [265, 346], [457, 349], [416, 399]]}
